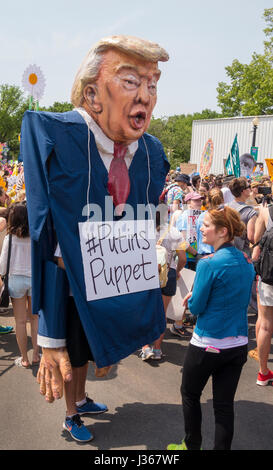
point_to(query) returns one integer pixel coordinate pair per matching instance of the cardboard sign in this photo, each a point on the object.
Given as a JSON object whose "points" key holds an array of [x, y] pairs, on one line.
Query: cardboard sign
{"points": [[258, 171], [269, 164], [118, 257], [188, 168], [184, 286], [191, 235], [193, 215]]}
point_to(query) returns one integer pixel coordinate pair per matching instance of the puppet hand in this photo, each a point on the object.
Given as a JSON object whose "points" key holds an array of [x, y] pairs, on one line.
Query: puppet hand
{"points": [[55, 368]]}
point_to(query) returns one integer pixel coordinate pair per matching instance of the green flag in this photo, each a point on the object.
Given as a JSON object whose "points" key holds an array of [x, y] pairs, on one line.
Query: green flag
{"points": [[233, 160], [228, 166]]}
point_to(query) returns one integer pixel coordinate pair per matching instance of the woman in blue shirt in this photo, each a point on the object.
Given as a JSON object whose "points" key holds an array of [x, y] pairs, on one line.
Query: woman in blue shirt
{"points": [[218, 348]]}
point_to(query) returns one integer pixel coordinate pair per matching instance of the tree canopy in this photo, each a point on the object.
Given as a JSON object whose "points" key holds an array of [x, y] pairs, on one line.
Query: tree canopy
{"points": [[13, 105]]}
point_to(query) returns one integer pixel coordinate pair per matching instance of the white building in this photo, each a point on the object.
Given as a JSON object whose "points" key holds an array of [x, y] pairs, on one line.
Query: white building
{"points": [[222, 132]]}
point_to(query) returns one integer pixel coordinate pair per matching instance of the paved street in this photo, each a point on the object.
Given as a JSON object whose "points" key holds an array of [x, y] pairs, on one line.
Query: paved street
{"points": [[143, 400]]}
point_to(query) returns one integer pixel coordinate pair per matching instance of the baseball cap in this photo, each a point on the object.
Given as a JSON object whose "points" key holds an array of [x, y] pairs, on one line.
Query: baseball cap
{"points": [[183, 178], [193, 195], [227, 179]]}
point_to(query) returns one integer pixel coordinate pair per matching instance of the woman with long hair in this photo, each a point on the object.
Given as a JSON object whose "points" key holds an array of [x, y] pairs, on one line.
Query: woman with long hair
{"points": [[218, 347], [20, 280]]}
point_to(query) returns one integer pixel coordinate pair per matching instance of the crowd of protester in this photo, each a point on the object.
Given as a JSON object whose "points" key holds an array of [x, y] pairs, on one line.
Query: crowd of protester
{"points": [[245, 195], [218, 219], [228, 217]]}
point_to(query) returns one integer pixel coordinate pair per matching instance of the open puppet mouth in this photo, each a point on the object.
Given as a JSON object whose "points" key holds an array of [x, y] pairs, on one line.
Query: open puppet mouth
{"points": [[138, 120]]}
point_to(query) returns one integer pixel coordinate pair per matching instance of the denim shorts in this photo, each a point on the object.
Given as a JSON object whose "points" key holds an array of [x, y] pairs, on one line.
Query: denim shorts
{"points": [[19, 286]]}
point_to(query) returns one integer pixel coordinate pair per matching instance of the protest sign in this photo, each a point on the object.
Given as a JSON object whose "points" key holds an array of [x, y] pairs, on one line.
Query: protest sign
{"points": [[258, 171], [192, 216], [206, 158], [191, 235], [184, 285], [269, 164], [118, 257], [188, 168]]}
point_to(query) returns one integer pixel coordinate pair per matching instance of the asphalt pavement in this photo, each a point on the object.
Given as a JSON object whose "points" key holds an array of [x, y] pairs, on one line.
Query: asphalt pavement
{"points": [[143, 399]]}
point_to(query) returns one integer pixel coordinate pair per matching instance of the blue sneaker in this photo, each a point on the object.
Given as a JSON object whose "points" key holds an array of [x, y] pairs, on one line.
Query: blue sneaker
{"points": [[5, 329], [91, 408], [77, 430]]}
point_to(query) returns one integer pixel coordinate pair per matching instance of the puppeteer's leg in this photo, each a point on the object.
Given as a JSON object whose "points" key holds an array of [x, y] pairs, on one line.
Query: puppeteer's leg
{"points": [[77, 401], [75, 390]]}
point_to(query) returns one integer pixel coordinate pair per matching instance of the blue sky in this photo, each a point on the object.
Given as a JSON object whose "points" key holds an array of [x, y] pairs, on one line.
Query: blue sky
{"points": [[202, 37]]}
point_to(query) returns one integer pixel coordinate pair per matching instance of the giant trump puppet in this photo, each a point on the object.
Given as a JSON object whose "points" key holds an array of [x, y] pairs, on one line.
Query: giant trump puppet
{"points": [[78, 160]]}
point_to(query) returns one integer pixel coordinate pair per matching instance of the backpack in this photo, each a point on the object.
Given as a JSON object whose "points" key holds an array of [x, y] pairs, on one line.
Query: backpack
{"points": [[163, 195], [264, 265], [241, 243]]}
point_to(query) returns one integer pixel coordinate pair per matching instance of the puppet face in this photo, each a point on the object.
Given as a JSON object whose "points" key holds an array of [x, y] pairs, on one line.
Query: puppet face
{"points": [[124, 96]]}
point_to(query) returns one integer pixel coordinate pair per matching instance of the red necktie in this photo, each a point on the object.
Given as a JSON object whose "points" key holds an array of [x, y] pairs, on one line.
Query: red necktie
{"points": [[118, 178]]}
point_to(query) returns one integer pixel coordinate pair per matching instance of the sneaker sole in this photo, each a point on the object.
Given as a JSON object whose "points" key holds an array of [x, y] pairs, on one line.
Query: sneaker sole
{"points": [[187, 333], [149, 356], [75, 439], [264, 382], [91, 412], [146, 358]]}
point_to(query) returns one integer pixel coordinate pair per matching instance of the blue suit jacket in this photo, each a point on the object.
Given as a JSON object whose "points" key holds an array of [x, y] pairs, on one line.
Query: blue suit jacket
{"points": [[55, 155]]}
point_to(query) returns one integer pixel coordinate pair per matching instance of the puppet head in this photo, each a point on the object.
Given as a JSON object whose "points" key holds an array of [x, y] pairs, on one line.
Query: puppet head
{"points": [[117, 85]]}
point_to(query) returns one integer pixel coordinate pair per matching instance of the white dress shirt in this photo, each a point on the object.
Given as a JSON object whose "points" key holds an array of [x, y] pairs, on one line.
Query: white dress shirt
{"points": [[104, 144]]}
